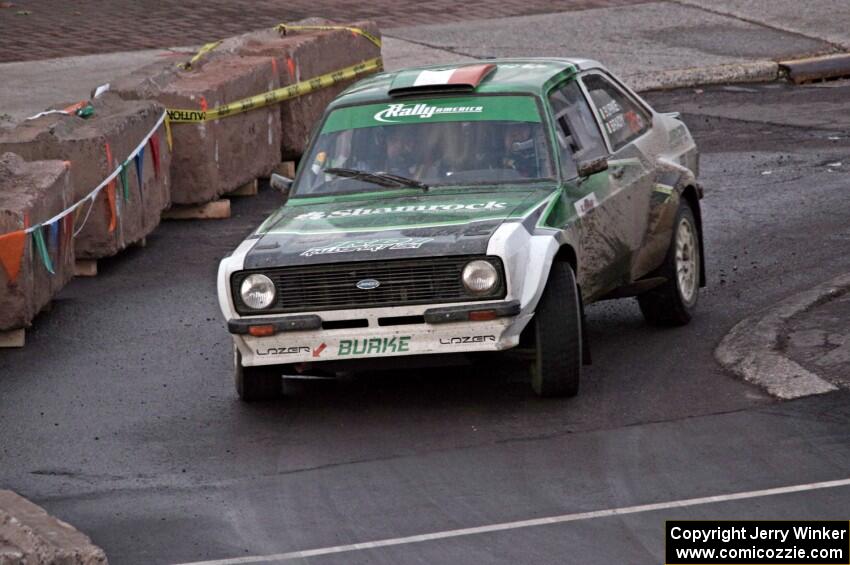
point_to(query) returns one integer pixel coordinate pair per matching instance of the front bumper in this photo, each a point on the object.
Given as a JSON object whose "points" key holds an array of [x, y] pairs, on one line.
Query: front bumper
{"points": [[381, 341]]}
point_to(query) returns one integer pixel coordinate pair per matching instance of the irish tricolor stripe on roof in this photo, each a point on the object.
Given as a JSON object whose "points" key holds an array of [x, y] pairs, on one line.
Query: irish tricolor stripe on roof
{"points": [[468, 76]]}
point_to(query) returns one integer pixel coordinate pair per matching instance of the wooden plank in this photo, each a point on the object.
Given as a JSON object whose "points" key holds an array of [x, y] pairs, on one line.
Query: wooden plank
{"points": [[285, 168], [247, 189], [85, 268], [215, 210], [817, 68], [13, 338]]}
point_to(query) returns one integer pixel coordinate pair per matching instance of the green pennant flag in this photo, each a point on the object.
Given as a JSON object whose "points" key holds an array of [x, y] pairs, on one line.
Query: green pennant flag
{"points": [[41, 246]]}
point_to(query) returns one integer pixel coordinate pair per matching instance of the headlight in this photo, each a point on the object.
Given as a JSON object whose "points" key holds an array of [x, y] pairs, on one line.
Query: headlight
{"points": [[480, 277], [257, 291]]}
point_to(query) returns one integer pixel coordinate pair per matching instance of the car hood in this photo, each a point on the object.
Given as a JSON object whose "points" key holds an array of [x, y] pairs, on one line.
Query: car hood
{"points": [[390, 225]]}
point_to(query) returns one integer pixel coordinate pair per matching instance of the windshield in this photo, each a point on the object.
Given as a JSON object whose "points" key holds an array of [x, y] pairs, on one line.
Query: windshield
{"points": [[439, 142]]}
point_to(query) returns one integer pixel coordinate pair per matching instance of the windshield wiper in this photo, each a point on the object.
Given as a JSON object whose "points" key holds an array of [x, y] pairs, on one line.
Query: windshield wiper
{"points": [[361, 175], [404, 181], [379, 178]]}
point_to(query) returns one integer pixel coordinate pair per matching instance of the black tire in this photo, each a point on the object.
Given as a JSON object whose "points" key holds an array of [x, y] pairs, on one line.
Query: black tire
{"points": [[556, 370], [257, 383], [671, 304]]}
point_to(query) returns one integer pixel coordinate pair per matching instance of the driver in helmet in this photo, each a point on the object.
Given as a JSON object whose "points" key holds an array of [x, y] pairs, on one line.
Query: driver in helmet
{"points": [[519, 153], [400, 151]]}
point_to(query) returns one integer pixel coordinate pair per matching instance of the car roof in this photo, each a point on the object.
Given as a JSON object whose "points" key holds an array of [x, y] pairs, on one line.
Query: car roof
{"points": [[519, 76]]}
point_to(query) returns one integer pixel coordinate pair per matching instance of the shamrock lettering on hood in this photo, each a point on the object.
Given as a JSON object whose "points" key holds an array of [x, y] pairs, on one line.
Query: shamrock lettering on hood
{"points": [[477, 206]]}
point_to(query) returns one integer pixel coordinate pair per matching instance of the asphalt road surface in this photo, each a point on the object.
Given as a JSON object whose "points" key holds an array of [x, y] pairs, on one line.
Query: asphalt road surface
{"points": [[120, 415]]}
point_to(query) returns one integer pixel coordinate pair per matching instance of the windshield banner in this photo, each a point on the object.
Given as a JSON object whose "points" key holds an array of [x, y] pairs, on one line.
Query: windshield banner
{"points": [[468, 108]]}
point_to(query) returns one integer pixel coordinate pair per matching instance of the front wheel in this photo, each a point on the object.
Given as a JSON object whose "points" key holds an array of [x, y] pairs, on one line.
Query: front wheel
{"points": [[673, 303], [556, 370], [256, 383]]}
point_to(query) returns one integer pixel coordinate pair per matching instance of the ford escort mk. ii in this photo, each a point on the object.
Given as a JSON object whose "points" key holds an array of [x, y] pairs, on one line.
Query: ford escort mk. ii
{"points": [[458, 209]]}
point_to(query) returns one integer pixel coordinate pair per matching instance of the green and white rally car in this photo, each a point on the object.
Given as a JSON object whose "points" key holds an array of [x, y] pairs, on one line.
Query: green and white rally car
{"points": [[456, 209]]}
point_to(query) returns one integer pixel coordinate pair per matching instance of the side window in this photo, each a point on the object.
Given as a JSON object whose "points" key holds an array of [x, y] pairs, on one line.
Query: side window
{"points": [[622, 118], [578, 134]]}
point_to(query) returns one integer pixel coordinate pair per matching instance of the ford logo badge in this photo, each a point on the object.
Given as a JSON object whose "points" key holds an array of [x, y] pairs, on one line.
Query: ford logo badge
{"points": [[368, 284]]}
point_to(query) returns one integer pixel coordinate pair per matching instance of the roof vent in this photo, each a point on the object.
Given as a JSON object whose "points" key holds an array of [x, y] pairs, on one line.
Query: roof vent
{"points": [[457, 79]]}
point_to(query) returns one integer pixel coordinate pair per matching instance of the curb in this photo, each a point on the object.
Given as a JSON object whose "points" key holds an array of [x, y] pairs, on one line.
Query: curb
{"points": [[752, 349], [757, 71]]}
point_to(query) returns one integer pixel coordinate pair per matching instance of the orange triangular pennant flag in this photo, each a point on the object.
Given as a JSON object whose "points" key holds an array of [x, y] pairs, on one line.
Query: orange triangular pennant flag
{"points": [[113, 214], [74, 107], [110, 193], [11, 252]]}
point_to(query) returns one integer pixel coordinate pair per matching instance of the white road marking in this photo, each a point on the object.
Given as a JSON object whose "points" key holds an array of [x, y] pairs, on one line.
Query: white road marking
{"points": [[526, 523]]}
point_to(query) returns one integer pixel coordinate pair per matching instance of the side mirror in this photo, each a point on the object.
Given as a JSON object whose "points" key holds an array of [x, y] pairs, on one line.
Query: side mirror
{"points": [[280, 183], [587, 168]]}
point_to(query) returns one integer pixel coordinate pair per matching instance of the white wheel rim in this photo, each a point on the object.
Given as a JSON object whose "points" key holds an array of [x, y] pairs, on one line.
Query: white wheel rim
{"points": [[687, 260]]}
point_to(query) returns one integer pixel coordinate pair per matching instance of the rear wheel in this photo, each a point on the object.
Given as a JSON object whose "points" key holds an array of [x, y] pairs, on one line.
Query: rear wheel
{"points": [[256, 383], [556, 370], [673, 303]]}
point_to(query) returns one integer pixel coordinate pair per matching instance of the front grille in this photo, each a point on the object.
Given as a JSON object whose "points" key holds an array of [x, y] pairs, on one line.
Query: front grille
{"points": [[403, 282]]}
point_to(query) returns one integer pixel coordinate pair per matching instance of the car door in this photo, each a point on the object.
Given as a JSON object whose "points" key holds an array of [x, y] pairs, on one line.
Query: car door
{"points": [[627, 127], [590, 204]]}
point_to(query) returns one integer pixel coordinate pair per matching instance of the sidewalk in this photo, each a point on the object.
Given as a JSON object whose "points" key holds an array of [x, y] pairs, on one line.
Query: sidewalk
{"points": [[650, 44], [28, 87]]}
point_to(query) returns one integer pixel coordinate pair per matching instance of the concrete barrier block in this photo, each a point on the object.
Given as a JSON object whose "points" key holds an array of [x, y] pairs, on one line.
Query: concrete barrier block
{"points": [[30, 536], [145, 83], [33, 192], [122, 125], [216, 157], [303, 55]]}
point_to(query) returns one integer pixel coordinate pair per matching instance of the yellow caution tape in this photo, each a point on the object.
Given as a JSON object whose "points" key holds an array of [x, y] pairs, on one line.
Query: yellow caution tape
{"points": [[176, 116], [201, 52], [283, 28]]}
